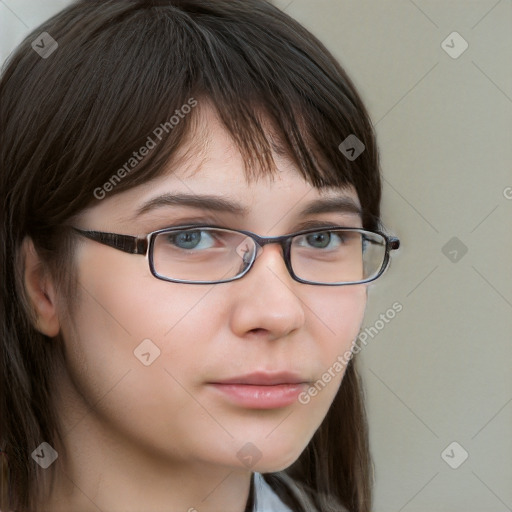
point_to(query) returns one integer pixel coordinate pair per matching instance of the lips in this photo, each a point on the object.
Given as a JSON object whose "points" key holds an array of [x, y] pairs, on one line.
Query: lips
{"points": [[261, 390], [264, 379]]}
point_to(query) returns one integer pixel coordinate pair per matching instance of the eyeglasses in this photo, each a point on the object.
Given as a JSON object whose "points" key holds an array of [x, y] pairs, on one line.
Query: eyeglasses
{"points": [[206, 254]]}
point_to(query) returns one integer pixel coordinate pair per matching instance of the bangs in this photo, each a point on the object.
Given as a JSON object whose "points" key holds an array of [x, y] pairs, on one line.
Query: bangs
{"points": [[124, 73]]}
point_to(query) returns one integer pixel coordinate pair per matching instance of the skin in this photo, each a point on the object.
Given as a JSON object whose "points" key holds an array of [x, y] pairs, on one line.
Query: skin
{"points": [[157, 437]]}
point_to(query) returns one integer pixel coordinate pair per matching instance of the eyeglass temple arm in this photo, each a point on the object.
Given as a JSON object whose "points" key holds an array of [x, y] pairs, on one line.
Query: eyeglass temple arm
{"points": [[125, 243]]}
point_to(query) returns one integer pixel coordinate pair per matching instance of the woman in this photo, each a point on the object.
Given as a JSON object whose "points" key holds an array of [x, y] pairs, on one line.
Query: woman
{"points": [[222, 143]]}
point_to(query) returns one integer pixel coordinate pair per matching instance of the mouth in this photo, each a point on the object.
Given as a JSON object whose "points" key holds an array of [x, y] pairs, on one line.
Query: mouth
{"points": [[261, 390]]}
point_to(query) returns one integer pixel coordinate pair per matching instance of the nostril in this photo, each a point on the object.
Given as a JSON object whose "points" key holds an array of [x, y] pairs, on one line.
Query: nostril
{"points": [[258, 330]]}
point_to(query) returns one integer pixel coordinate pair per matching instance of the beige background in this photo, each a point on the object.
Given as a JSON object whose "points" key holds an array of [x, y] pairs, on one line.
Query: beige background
{"points": [[440, 370]]}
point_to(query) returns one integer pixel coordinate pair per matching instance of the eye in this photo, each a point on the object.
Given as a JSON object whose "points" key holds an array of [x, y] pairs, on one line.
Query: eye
{"points": [[321, 240], [192, 239]]}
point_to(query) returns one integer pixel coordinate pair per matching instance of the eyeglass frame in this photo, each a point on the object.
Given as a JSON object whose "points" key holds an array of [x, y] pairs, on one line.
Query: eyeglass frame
{"points": [[144, 245]]}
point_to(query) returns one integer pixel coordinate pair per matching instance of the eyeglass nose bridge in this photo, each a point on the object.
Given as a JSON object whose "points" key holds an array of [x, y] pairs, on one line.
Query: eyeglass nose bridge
{"points": [[252, 247]]}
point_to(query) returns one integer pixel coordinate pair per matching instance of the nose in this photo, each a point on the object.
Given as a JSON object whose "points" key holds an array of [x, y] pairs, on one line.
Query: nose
{"points": [[265, 300]]}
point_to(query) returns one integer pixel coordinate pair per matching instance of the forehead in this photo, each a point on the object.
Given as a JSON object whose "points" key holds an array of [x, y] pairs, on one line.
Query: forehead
{"points": [[209, 172]]}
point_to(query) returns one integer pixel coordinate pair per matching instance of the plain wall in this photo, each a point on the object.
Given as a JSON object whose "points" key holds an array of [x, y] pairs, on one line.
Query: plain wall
{"points": [[439, 371]]}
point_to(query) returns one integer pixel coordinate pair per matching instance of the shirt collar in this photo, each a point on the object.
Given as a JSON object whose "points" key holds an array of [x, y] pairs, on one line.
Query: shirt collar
{"points": [[265, 499]]}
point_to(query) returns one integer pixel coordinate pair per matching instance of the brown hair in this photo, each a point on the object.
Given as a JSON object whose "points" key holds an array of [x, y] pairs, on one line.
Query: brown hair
{"points": [[68, 121]]}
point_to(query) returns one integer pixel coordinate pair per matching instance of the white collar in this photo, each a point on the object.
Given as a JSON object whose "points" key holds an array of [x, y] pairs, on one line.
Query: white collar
{"points": [[265, 499]]}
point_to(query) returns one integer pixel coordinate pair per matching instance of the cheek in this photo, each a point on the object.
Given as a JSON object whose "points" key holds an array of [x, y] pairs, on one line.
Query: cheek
{"points": [[131, 308], [116, 326], [121, 324], [337, 315]]}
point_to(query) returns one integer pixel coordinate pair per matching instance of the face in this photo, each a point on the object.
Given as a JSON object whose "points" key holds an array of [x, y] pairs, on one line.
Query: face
{"points": [[199, 336]]}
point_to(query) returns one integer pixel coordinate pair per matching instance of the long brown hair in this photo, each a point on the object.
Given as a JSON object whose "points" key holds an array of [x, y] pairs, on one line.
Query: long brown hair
{"points": [[71, 119]]}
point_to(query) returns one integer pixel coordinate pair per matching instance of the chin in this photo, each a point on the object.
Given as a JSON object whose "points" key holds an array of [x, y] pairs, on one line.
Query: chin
{"points": [[273, 467], [276, 461]]}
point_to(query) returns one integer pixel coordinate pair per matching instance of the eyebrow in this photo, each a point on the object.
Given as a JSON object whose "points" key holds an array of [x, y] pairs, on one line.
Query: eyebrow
{"points": [[340, 204]]}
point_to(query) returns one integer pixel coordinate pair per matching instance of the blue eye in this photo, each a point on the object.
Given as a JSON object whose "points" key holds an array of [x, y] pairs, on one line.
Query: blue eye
{"points": [[321, 240], [192, 239]]}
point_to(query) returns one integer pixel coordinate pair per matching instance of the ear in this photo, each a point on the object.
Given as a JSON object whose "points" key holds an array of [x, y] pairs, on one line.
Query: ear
{"points": [[40, 290]]}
